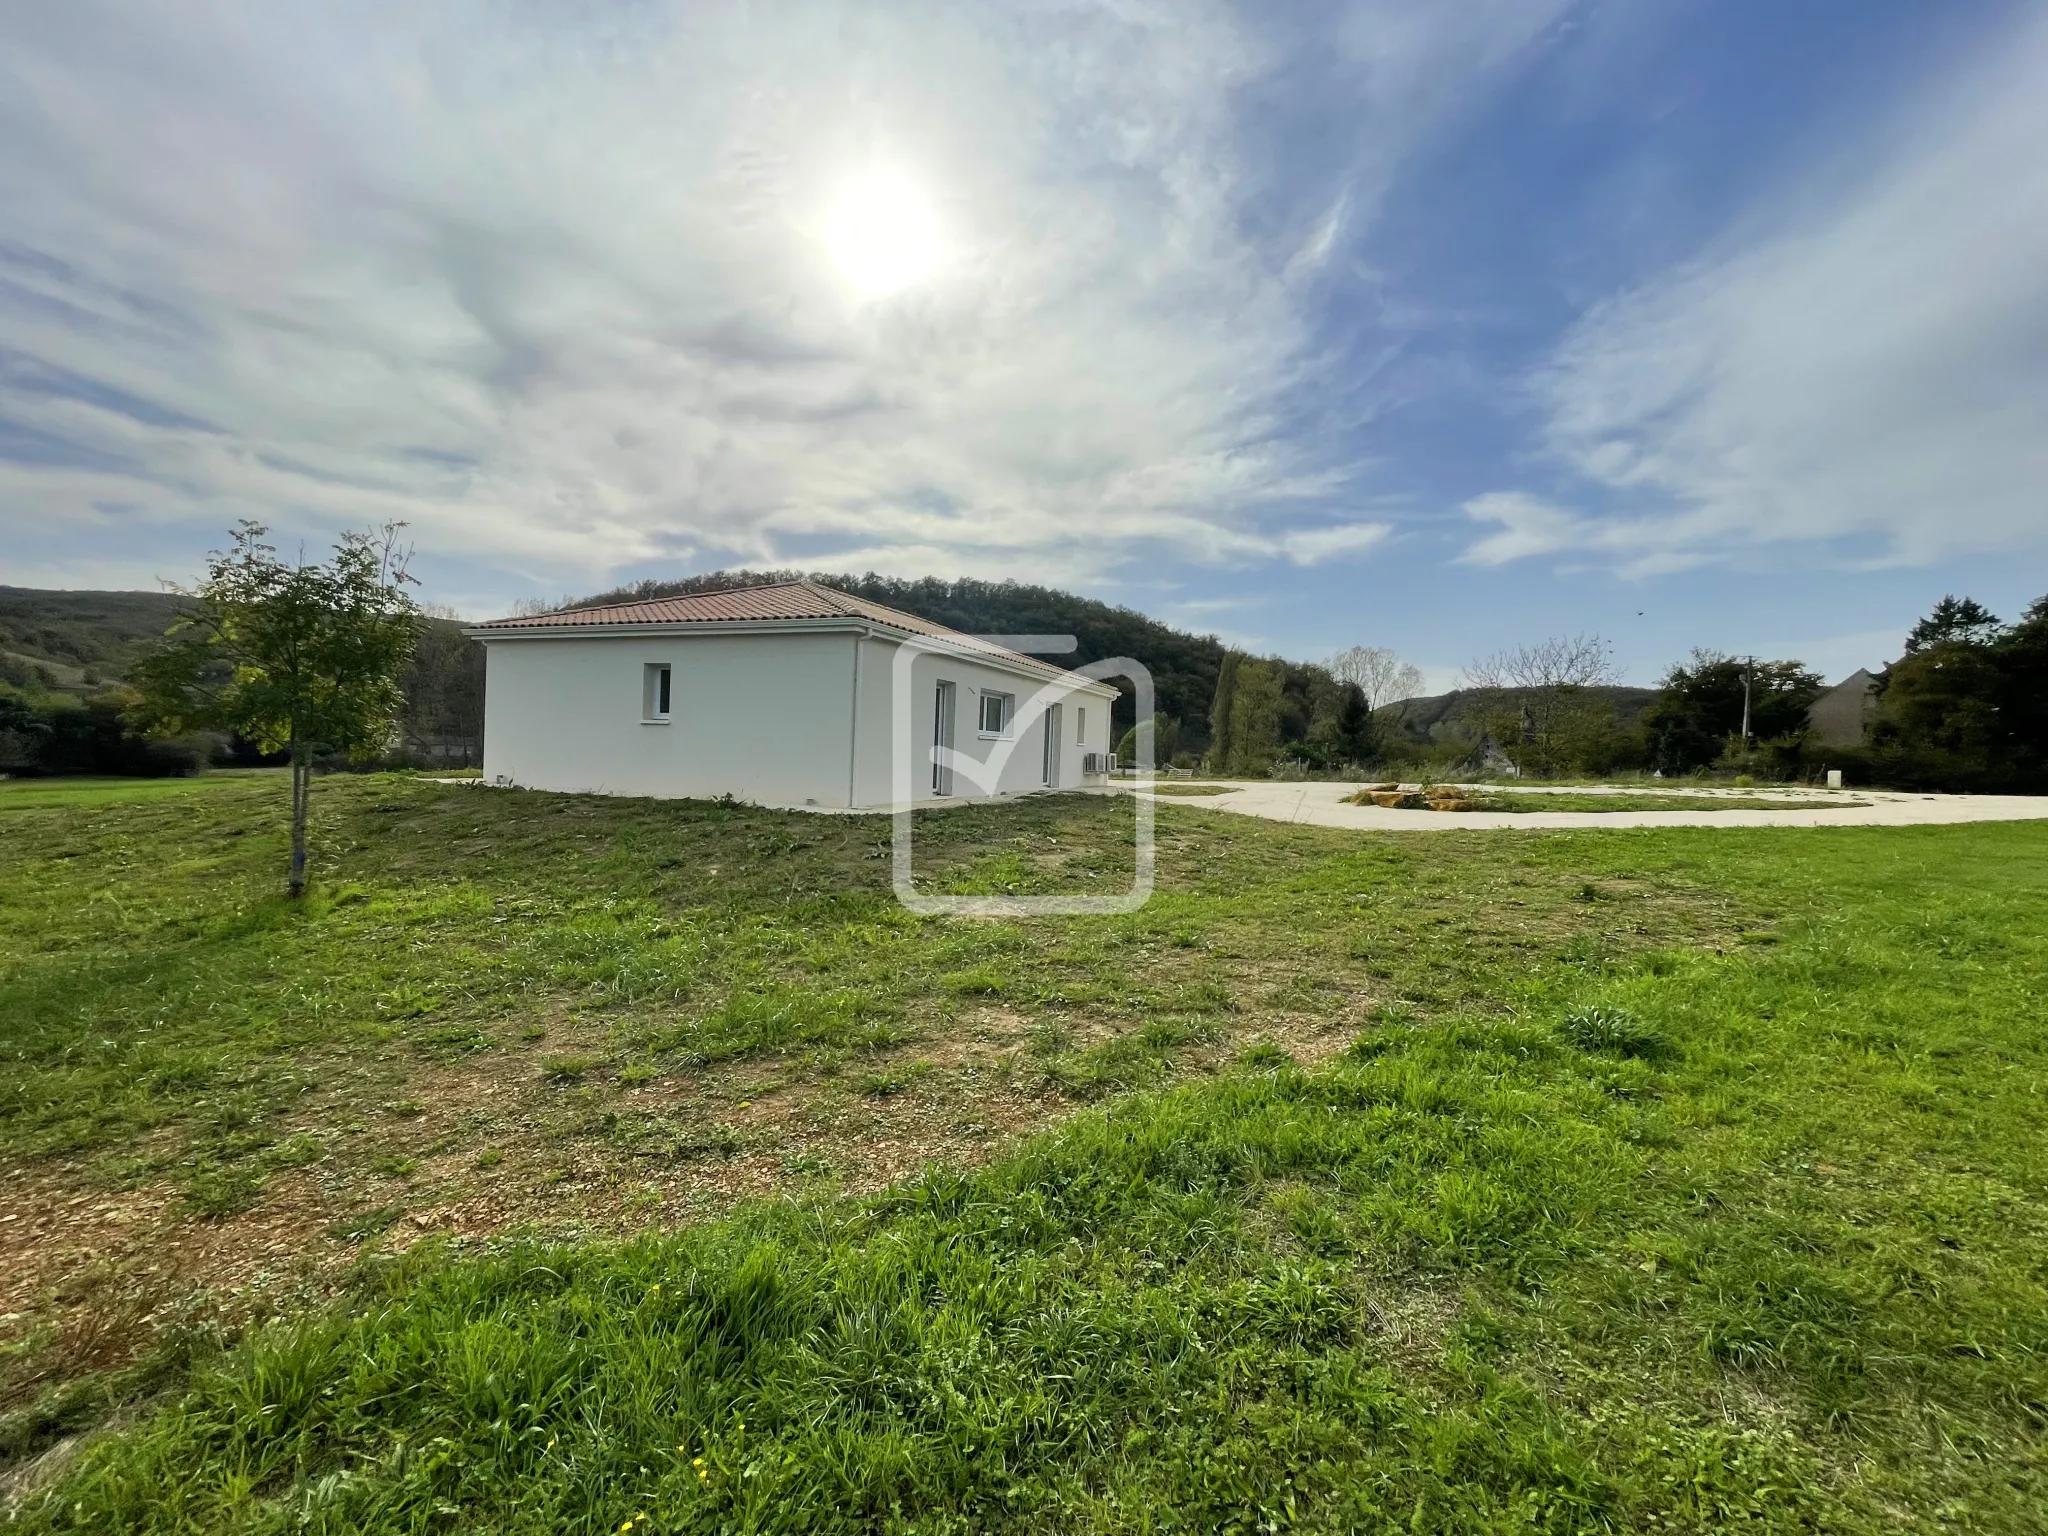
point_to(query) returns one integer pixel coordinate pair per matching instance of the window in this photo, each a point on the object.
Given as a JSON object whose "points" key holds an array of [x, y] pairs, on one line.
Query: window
{"points": [[654, 693], [1080, 726], [995, 713], [942, 739], [1050, 769]]}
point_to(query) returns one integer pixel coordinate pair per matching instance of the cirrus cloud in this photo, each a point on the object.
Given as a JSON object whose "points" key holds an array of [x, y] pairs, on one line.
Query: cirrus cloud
{"points": [[1862, 369], [550, 283]]}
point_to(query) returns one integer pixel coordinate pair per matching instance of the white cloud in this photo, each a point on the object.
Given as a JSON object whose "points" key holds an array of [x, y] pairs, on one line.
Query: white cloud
{"points": [[1309, 546], [553, 285], [1867, 375], [1528, 526]]}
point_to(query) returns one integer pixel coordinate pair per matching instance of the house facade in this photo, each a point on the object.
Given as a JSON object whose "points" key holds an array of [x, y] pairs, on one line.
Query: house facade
{"points": [[788, 695], [1839, 717]]}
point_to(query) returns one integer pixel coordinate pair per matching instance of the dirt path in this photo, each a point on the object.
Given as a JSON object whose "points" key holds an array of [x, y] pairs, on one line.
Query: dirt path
{"points": [[1321, 805]]}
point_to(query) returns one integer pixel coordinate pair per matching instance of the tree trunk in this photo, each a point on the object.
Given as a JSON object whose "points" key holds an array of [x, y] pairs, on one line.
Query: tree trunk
{"points": [[302, 785]]}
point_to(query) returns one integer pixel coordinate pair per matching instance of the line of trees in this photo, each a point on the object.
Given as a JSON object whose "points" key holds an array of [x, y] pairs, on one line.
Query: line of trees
{"points": [[1966, 706], [1266, 710]]}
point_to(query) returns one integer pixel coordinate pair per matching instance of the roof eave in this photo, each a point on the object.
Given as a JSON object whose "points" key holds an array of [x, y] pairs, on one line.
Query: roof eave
{"points": [[844, 624]]}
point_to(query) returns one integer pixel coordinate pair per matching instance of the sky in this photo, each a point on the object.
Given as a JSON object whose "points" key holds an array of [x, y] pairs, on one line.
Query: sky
{"points": [[1446, 328]]}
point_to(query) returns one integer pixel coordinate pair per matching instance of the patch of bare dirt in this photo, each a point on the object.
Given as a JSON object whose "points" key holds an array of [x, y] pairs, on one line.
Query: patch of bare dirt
{"points": [[496, 1142]]}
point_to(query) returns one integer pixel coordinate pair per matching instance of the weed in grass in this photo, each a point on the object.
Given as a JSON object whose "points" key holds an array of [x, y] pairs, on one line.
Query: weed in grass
{"points": [[983, 981], [490, 1157], [568, 1068], [1592, 1027], [298, 1151], [1051, 1037], [1264, 1056], [893, 1080], [215, 1189], [449, 1042], [360, 1229]]}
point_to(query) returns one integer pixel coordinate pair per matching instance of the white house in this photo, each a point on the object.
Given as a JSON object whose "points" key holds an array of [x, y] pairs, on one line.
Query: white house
{"points": [[788, 695]]}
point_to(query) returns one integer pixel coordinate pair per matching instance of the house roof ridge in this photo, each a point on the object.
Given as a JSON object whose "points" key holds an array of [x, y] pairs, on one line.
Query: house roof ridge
{"points": [[766, 603]]}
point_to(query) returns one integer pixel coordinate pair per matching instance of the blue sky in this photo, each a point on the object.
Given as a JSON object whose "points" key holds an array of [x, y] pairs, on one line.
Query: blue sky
{"points": [[1446, 327]]}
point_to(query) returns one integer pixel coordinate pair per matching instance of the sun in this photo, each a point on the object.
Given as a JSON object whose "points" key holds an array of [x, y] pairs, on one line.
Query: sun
{"points": [[881, 234]]}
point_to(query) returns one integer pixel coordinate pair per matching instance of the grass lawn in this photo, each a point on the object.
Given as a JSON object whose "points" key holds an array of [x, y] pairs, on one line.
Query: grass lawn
{"points": [[1504, 800], [1682, 1179], [47, 794]]}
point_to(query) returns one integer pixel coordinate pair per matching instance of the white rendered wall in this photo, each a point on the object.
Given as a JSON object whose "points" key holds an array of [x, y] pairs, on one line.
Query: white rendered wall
{"points": [[1021, 755], [765, 717]]}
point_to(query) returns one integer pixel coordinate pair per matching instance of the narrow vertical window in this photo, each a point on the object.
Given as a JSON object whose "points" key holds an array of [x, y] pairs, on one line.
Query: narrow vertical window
{"points": [[942, 739], [654, 693], [1080, 726]]}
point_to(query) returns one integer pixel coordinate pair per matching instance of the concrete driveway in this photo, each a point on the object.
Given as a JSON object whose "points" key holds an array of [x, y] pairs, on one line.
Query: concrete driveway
{"points": [[1320, 805]]}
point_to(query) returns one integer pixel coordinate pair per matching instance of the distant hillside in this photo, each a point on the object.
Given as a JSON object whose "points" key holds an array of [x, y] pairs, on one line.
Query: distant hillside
{"points": [[80, 638], [71, 643], [1456, 716], [77, 640], [1183, 666]]}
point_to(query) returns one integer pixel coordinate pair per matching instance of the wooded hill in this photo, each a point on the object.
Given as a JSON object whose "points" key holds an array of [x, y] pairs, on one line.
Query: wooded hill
{"points": [[75, 640], [61, 651]]}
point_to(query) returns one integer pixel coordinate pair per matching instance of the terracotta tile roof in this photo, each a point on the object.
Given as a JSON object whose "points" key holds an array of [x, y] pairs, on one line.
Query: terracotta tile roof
{"points": [[739, 605]]}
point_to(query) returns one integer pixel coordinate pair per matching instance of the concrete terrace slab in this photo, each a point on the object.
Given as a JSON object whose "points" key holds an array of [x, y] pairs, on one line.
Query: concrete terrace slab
{"points": [[1321, 805]]}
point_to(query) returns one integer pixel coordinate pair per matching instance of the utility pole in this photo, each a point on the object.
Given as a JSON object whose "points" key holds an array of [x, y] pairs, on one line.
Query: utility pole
{"points": [[1748, 677]]}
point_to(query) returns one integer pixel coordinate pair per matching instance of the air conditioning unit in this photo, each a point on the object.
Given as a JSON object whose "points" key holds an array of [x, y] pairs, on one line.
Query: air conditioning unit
{"points": [[1097, 763]]}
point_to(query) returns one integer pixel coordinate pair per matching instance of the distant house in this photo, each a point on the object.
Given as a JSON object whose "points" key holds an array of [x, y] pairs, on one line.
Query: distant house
{"points": [[784, 695], [1839, 716]]}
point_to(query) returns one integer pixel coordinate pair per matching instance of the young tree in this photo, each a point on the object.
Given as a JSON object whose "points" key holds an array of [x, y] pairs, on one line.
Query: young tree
{"points": [[1378, 673], [1255, 718], [1547, 722], [291, 655], [1352, 737], [1220, 743]]}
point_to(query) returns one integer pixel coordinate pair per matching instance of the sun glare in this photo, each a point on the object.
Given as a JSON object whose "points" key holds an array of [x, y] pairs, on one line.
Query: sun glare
{"points": [[881, 235]]}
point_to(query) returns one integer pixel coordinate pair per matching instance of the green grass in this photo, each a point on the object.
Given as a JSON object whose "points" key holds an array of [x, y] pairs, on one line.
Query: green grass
{"points": [[46, 794], [1498, 800], [1676, 1179]]}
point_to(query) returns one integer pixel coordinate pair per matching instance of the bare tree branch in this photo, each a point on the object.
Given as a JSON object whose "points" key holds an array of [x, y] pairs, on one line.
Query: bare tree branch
{"points": [[1380, 675], [1563, 661]]}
